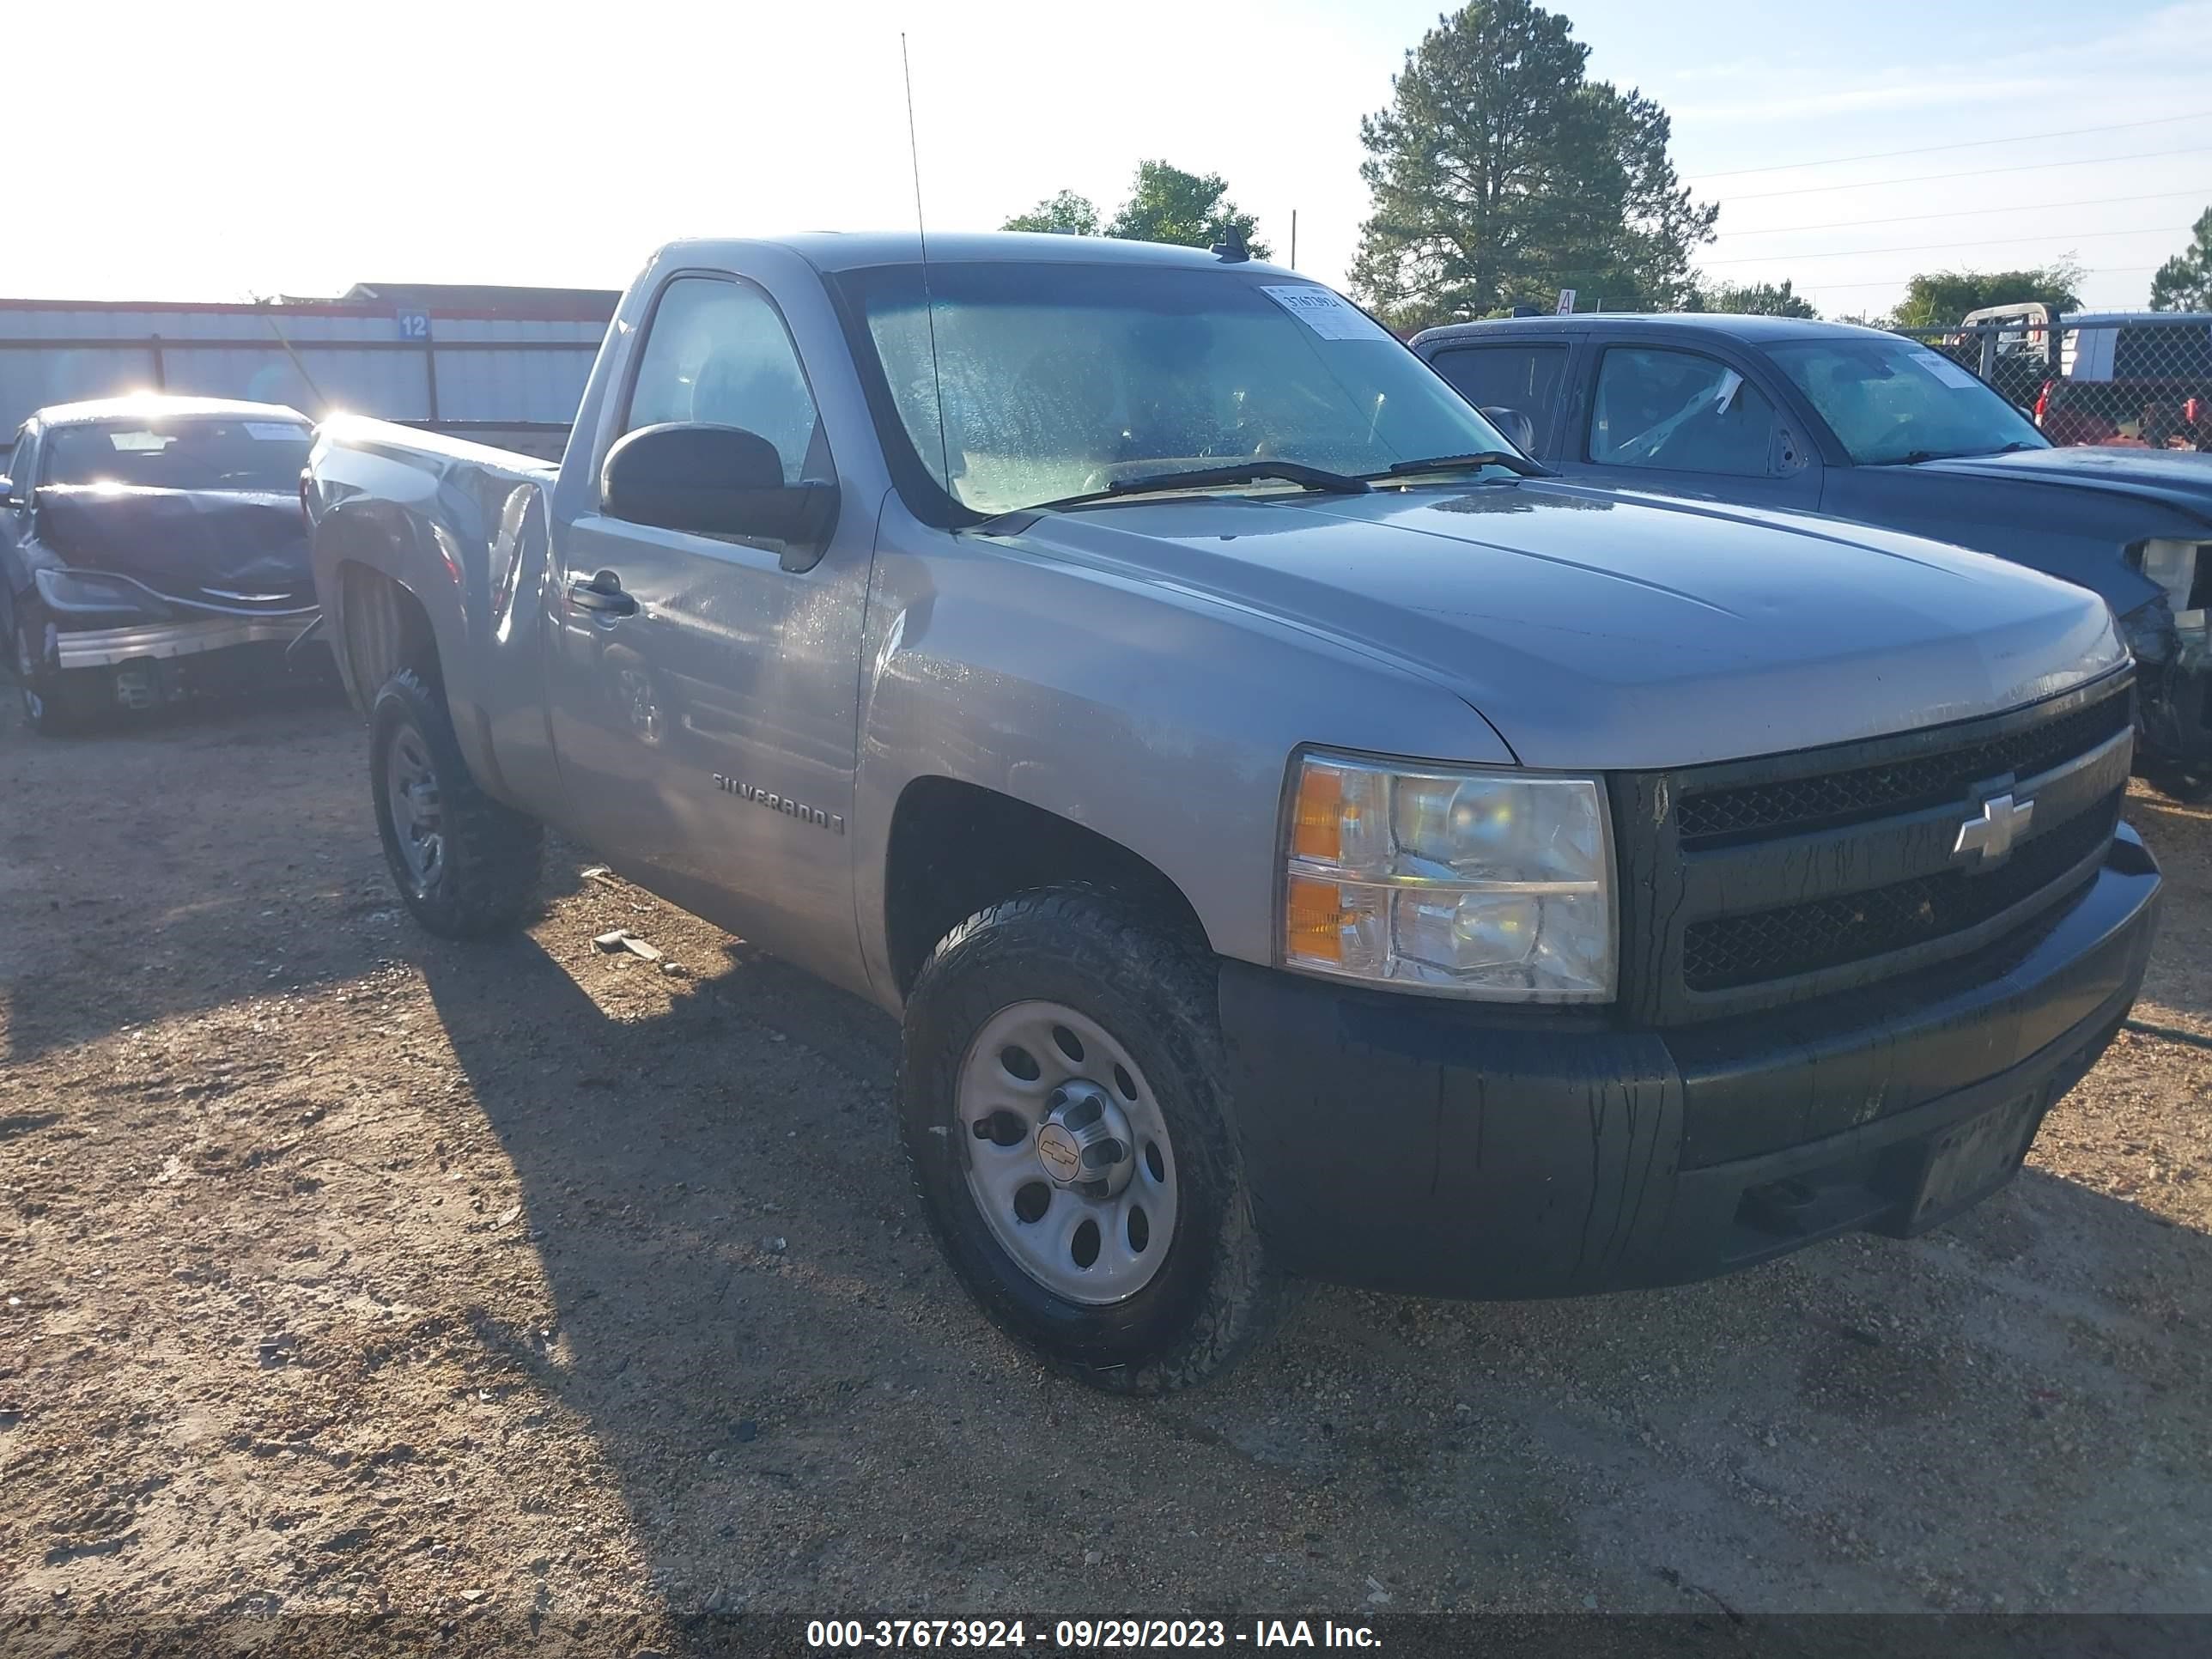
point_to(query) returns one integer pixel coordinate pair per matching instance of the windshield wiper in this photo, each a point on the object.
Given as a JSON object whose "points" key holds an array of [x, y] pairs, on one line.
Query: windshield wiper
{"points": [[1509, 459], [1208, 478], [1915, 457]]}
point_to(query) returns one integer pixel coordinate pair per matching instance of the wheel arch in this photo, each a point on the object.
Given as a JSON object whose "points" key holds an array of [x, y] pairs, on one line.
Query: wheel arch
{"points": [[955, 846], [381, 628], [374, 620]]}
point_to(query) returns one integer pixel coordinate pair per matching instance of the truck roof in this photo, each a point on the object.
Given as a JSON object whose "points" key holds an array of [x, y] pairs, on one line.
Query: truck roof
{"points": [[1695, 324], [833, 251], [160, 405]]}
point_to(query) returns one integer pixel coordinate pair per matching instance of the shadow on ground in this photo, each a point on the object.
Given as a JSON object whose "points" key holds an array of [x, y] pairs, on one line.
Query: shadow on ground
{"points": [[764, 1341], [205, 857]]}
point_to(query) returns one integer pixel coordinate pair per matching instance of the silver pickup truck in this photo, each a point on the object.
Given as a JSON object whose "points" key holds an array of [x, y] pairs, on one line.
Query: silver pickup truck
{"points": [[1300, 837]]}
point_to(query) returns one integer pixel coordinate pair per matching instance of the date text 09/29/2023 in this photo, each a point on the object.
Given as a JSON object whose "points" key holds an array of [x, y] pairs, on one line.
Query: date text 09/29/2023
{"points": [[1081, 1634]]}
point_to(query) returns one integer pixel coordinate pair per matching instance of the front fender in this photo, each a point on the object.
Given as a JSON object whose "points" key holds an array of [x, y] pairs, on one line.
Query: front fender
{"points": [[1161, 719]]}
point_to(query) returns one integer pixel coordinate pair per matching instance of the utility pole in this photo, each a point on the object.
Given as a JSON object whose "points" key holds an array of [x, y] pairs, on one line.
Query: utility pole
{"points": [[1294, 239]]}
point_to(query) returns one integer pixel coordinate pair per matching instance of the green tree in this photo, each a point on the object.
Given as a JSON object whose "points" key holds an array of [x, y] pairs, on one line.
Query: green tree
{"points": [[1067, 211], [1939, 299], [1751, 300], [2185, 282], [1167, 204], [1500, 173]]}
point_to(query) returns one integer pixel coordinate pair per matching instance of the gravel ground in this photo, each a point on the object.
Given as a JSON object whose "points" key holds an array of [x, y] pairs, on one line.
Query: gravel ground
{"points": [[341, 1269]]}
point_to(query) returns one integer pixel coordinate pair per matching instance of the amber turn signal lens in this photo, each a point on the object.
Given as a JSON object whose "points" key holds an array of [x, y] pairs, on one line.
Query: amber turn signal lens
{"points": [[1317, 827], [1314, 921]]}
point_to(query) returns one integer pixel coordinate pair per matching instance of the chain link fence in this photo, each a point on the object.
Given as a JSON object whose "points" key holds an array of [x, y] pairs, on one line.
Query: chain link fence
{"points": [[2125, 379]]}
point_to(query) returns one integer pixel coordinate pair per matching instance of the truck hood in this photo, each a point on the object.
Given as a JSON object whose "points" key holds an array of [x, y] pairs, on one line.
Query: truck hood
{"points": [[184, 544], [1598, 629], [2179, 478]]}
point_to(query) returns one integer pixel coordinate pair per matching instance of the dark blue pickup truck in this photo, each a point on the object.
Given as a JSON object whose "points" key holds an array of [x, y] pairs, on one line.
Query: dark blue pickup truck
{"points": [[1826, 418]]}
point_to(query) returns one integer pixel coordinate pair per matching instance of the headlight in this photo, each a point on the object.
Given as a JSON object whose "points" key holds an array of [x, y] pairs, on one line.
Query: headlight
{"points": [[79, 592], [1476, 884], [2173, 566]]}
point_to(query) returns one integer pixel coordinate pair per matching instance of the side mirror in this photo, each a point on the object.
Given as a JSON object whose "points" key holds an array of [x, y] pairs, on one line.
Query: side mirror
{"points": [[8, 495], [717, 481], [1518, 428]]}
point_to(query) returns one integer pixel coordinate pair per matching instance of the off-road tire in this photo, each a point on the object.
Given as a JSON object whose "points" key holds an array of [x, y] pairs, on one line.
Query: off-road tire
{"points": [[488, 880], [57, 702], [1216, 1293], [2190, 788]]}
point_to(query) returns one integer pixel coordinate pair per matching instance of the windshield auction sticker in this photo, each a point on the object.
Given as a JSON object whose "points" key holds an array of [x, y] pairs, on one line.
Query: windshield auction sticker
{"points": [[1944, 369], [1329, 315]]}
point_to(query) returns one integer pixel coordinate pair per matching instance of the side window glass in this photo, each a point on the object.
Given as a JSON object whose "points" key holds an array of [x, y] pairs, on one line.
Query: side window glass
{"points": [[1522, 377], [1676, 411], [718, 353]]}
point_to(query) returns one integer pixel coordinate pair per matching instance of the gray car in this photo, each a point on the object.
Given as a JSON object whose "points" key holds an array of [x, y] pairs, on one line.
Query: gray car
{"points": [[1829, 417], [149, 545], [1297, 840]]}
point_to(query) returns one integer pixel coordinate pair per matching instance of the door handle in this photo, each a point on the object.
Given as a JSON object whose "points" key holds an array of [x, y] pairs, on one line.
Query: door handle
{"points": [[603, 595]]}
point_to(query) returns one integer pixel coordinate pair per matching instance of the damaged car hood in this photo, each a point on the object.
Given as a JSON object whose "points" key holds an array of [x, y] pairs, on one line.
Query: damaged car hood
{"points": [[188, 544], [1597, 629], [2174, 478], [2072, 512]]}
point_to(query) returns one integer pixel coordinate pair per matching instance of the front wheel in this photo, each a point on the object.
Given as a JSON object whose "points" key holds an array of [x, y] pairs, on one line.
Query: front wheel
{"points": [[2190, 787], [57, 701], [1063, 1103], [466, 865]]}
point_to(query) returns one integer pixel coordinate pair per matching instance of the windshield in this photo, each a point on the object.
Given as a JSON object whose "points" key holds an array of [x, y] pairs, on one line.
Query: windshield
{"points": [[1061, 380], [1890, 400], [179, 454]]}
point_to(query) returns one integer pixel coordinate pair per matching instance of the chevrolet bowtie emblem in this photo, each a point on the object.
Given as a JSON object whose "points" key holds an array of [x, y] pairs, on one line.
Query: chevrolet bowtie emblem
{"points": [[1988, 837]]}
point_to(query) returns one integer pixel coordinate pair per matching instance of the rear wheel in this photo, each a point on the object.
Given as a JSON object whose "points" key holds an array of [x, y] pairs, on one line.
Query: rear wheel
{"points": [[57, 701], [1063, 1101], [466, 865]]}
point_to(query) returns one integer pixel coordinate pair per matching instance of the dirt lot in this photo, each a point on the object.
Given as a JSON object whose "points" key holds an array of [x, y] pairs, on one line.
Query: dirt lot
{"points": [[342, 1269]]}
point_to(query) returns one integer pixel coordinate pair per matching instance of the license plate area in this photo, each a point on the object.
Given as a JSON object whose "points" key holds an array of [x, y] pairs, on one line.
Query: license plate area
{"points": [[1970, 1160]]}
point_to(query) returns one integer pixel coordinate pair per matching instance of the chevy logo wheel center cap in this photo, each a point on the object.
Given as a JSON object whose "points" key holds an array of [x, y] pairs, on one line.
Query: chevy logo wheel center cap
{"points": [[1084, 1142], [1057, 1150]]}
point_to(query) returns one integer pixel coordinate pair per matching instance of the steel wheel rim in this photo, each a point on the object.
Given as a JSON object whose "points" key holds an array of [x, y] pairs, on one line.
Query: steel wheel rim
{"points": [[1041, 1223], [418, 820]]}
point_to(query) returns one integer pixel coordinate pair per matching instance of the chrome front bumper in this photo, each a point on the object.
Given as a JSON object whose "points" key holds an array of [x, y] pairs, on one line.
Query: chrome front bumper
{"points": [[104, 647]]}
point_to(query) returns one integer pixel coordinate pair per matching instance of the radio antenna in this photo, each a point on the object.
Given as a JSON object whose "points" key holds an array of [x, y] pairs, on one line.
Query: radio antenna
{"points": [[928, 303]]}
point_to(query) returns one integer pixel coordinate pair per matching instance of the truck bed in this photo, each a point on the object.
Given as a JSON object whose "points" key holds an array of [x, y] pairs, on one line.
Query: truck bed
{"points": [[461, 527]]}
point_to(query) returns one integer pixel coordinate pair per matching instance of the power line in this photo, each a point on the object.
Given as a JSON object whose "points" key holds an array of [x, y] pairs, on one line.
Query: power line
{"points": [[1927, 247], [1969, 143], [1900, 281], [1972, 173], [1971, 213]]}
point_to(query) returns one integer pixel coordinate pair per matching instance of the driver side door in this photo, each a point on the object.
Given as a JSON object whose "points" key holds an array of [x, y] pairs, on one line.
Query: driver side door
{"points": [[702, 694], [1689, 423]]}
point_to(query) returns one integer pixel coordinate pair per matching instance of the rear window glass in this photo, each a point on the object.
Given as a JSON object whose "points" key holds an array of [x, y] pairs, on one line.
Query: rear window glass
{"points": [[2172, 351], [195, 454]]}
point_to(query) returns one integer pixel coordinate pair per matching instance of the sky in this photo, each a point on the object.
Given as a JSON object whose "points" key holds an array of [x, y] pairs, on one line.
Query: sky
{"points": [[222, 150]]}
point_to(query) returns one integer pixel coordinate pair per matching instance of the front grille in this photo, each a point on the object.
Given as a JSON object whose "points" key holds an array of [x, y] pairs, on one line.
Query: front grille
{"points": [[1759, 884], [1718, 818], [1724, 952]]}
